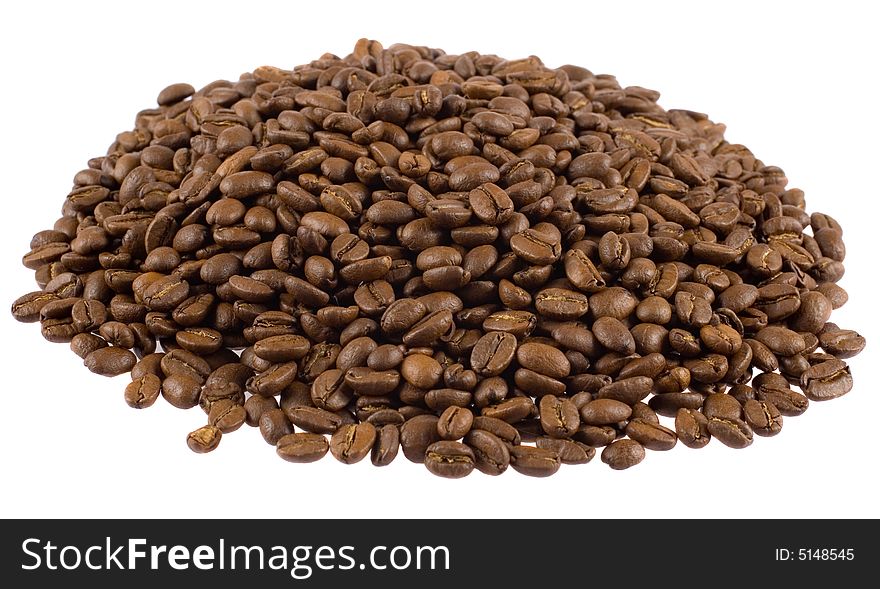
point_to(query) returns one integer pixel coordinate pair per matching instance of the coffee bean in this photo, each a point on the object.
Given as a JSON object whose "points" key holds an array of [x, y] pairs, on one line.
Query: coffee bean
{"points": [[517, 323], [543, 359], [652, 436], [692, 428], [493, 353], [386, 446], [559, 416], [763, 417], [448, 459], [623, 454], [181, 391], [827, 380], [143, 392], [205, 439], [274, 425], [380, 239], [110, 361], [455, 422], [83, 344], [417, 434], [605, 412], [352, 442], [534, 462], [226, 415], [302, 447], [313, 419], [421, 371], [569, 451], [732, 432]]}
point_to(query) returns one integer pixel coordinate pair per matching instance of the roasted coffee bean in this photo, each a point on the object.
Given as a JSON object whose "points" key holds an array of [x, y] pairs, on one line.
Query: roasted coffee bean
{"points": [[491, 204], [623, 454], [652, 436], [612, 334], [84, 344], [302, 447], [110, 361], [226, 415], [732, 432], [605, 412], [455, 422], [491, 454], [274, 425], [493, 353], [544, 359], [627, 390], [205, 439], [841, 343], [181, 390], [534, 462], [569, 451], [561, 304], [449, 459], [559, 416], [517, 323], [692, 428], [143, 392], [722, 406], [314, 419], [421, 370], [386, 446], [352, 442], [763, 417], [417, 434]]}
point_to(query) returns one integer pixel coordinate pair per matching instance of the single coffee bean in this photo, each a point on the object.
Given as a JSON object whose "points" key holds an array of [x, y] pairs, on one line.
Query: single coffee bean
{"points": [[421, 370], [84, 344], [143, 392], [455, 422], [652, 436], [827, 380], [379, 239], [561, 304], [313, 419], [448, 459], [559, 416], [274, 425], [605, 412], [416, 435], [692, 428], [569, 451], [493, 353], [226, 415], [734, 432], [491, 204], [205, 439], [534, 462], [302, 447], [623, 454], [763, 417], [110, 361], [181, 391], [544, 359], [517, 323], [386, 446], [491, 454]]}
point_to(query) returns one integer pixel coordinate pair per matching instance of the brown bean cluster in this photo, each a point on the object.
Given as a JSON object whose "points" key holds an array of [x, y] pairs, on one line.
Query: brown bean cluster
{"points": [[482, 262]]}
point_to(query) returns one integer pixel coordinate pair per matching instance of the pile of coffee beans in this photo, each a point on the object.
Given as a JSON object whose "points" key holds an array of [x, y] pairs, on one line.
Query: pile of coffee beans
{"points": [[482, 262]]}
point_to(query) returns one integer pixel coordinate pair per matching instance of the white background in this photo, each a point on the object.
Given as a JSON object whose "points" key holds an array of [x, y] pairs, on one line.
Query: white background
{"points": [[796, 82]]}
